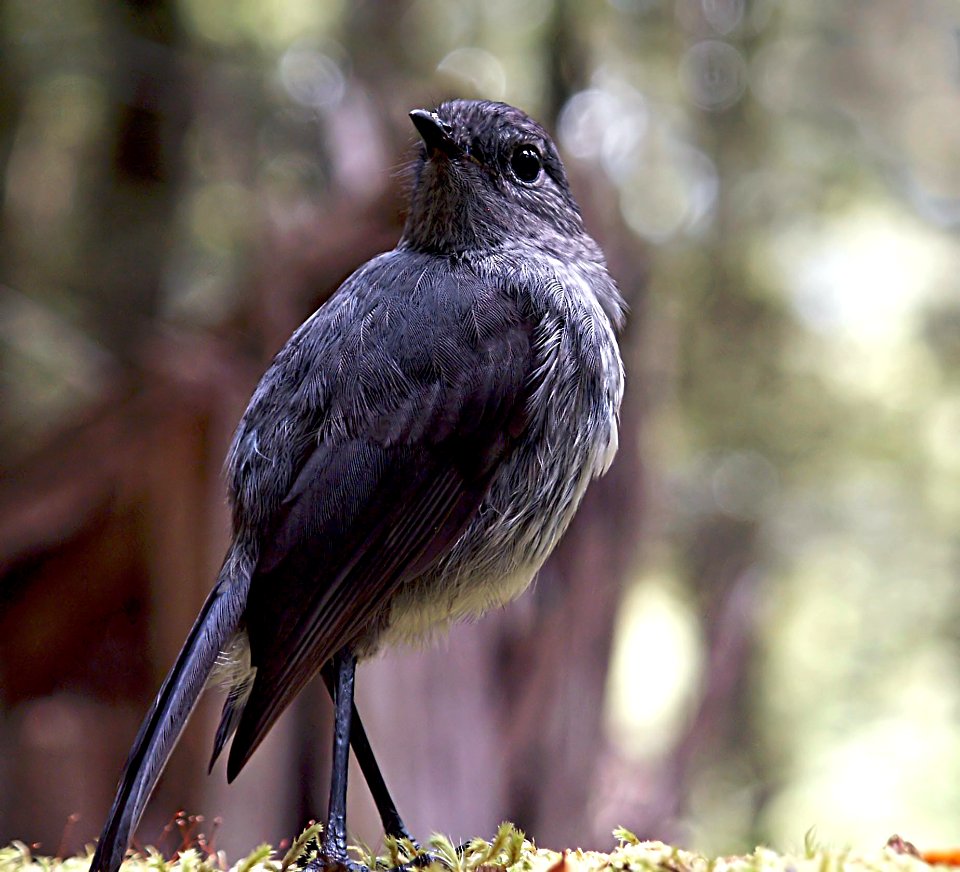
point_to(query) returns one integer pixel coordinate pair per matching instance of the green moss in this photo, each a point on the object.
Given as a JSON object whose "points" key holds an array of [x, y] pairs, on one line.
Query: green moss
{"points": [[509, 851]]}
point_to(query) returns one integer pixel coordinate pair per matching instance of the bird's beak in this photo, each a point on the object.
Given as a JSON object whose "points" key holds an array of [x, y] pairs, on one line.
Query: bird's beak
{"points": [[436, 133]]}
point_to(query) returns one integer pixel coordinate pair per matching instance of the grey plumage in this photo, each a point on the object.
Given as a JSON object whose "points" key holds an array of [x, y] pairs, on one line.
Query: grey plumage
{"points": [[415, 450]]}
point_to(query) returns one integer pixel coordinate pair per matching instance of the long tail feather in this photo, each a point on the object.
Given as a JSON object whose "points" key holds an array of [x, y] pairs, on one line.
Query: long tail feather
{"points": [[217, 622]]}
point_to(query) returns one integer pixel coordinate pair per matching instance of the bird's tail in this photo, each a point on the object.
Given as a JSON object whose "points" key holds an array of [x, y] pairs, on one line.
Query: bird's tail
{"points": [[216, 624]]}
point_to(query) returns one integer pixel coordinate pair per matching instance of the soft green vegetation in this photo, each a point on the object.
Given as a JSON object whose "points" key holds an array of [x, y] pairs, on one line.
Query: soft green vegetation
{"points": [[509, 851]]}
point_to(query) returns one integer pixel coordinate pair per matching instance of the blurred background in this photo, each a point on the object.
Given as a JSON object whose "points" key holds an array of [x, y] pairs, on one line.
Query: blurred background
{"points": [[753, 627]]}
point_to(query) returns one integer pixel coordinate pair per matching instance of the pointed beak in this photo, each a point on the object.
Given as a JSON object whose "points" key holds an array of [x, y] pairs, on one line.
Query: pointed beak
{"points": [[436, 133]]}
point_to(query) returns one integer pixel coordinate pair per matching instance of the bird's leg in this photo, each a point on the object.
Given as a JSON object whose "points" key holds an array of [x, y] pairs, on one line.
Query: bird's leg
{"points": [[387, 809], [393, 824], [333, 846]]}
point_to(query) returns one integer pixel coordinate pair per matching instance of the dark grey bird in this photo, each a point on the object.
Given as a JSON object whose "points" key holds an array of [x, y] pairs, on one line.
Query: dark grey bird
{"points": [[411, 456]]}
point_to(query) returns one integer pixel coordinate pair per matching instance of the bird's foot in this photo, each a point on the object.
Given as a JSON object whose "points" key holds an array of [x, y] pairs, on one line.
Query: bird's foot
{"points": [[404, 854], [319, 855], [407, 856], [422, 860], [321, 863]]}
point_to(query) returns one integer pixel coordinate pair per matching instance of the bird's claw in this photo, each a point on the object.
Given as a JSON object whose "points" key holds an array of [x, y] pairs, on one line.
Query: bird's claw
{"points": [[325, 864], [317, 856], [321, 861], [422, 860], [407, 856], [404, 854]]}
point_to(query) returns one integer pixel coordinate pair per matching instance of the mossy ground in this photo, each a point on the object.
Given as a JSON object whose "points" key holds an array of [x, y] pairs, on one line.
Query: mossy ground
{"points": [[510, 851]]}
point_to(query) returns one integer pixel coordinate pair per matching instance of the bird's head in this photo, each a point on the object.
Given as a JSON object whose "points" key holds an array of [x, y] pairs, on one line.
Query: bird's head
{"points": [[487, 174]]}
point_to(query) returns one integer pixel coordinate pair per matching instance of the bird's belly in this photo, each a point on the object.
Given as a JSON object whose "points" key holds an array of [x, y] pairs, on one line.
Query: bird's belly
{"points": [[422, 610], [527, 510]]}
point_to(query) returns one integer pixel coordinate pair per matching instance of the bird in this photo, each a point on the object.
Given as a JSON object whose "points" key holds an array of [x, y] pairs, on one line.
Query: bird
{"points": [[410, 457]]}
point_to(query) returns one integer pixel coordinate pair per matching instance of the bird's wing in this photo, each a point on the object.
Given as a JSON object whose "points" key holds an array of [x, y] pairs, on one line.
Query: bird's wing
{"points": [[429, 398]]}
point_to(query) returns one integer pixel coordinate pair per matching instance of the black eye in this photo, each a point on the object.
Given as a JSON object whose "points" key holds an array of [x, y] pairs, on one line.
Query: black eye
{"points": [[526, 164]]}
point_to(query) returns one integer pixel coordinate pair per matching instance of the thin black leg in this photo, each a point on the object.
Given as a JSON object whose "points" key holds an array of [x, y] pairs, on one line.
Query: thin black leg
{"points": [[334, 843], [387, 809]]}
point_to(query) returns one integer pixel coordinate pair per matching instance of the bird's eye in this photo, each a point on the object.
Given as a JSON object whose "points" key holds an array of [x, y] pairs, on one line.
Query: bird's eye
{"points": [[526, 164]]}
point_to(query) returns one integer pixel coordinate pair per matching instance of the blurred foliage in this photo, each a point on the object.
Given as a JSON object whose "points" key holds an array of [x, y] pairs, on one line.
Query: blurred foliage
{"points": [[791, 169], [802, 339]]}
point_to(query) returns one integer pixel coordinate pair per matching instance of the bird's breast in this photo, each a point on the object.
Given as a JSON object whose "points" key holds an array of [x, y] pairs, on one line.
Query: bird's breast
{"points": [[572, 437]]}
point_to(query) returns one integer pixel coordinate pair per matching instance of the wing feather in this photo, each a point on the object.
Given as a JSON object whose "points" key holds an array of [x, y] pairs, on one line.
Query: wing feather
{"points": [[386, 491]]}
